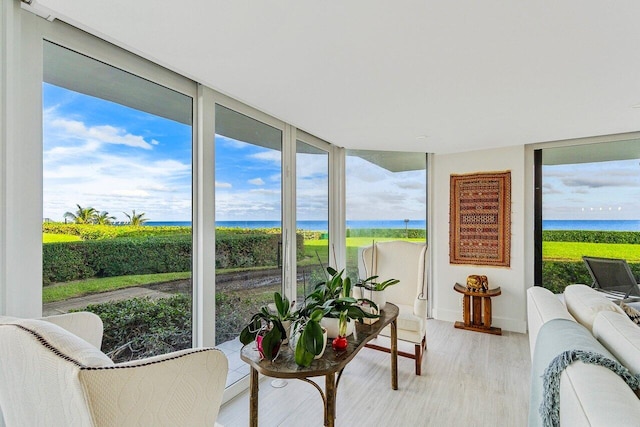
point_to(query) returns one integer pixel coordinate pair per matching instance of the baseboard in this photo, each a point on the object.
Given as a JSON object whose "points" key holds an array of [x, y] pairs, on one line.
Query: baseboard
{"points": [[506, 324]]}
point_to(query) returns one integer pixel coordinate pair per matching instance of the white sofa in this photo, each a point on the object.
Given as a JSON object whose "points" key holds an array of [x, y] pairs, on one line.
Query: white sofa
{"points": [[52, 373], [590, 395]]}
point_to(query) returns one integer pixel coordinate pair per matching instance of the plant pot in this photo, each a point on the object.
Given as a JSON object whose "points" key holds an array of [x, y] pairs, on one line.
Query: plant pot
{"points": [[259, 347], [324, 345], [333, 326], [378, 297], [287, 328]]}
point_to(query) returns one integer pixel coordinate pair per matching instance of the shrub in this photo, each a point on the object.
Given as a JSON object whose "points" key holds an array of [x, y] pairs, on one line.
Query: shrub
{"points": [[140, 327], [97, 232], [150, 254], [631, 237], [62, 262], [557, 275]]}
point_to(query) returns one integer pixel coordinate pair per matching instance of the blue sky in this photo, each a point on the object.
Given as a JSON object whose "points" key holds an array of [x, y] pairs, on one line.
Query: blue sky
{"points": [[113, 158]]}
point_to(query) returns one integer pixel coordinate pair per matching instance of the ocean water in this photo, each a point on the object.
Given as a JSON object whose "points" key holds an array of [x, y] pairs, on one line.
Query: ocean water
{"points": [[597, 225], [302, 225]]}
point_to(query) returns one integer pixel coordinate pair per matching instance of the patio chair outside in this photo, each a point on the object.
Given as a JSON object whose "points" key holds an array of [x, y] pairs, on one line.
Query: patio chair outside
{"points": [[612, 276]]}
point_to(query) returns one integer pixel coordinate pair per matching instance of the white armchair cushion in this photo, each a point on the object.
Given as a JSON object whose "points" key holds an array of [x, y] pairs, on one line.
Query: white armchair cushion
{"points": [[411, 328], [60, 341], [166, 390], [83, 324], [584, 304]]}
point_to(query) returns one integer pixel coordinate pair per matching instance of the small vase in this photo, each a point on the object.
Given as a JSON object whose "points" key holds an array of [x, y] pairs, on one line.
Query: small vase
{"points": [[274, 352], [286, 324], [378, 297], [332, 325], [324, 345]]}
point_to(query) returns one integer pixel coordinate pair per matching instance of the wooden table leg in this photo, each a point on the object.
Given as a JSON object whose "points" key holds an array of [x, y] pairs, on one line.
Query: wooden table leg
{"points": [[394, 355], [466, 310], [487, 312], [477, 311], [253, 402], [330, 395]]}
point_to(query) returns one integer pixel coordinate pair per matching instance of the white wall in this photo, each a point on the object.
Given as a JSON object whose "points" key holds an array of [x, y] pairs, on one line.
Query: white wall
{"points": [[509, 308]]}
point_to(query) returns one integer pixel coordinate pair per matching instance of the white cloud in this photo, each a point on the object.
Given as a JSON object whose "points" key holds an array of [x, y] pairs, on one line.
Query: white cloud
{"points": [[105, 134], [269, 156], [84, 167], [223, 184], [256, 181]]}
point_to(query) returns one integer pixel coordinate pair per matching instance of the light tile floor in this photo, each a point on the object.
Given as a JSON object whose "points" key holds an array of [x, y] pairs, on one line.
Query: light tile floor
{"points": [[237, 368]]}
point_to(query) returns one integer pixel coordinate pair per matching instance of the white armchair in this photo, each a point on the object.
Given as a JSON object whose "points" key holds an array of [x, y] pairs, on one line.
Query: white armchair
{"points": [[51, 377], [407, 262]]}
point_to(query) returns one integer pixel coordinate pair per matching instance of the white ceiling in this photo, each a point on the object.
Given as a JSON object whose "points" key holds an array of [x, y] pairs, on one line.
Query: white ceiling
{"points": [[369, 74]]}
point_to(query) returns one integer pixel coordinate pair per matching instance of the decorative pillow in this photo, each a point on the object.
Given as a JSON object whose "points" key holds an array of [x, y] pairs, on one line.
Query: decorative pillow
{"points": [[633, 314]]}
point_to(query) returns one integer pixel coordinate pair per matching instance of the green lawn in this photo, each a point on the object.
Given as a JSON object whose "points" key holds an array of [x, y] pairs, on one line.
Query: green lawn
{"points": [[56, 238], [90, 286], [574, 251]]}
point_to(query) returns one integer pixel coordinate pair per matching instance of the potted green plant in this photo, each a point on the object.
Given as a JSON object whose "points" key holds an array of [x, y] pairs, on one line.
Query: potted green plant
{"points": [[308, 337], [375, 290], [269, 328], [333, 296]]}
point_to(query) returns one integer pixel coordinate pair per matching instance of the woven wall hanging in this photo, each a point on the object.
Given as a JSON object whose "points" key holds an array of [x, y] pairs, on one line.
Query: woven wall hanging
{"points": [[480, 219]]}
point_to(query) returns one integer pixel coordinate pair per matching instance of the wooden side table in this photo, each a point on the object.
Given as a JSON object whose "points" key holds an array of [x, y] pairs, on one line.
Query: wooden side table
{"points": [[480, 319]]}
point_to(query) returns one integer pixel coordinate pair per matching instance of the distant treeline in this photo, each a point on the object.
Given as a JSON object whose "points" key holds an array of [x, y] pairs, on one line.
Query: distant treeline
{"points": [[631, 237]]}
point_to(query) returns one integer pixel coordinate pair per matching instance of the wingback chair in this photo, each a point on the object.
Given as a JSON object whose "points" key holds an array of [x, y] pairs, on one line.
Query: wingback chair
{"points": [[407, 262], [52, 373]]}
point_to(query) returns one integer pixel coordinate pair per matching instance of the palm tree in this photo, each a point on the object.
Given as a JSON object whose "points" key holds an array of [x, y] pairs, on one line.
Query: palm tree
{"points": [[136, 219], [104, 219], [82, 215]]}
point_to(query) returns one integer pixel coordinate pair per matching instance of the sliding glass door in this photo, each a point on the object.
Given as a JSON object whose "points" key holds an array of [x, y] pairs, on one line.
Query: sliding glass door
{"points": [[248, 211], [117, 173]]}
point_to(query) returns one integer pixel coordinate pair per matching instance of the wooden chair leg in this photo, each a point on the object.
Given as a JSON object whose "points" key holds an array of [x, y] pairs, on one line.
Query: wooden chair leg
{"points": [[419, 351]]}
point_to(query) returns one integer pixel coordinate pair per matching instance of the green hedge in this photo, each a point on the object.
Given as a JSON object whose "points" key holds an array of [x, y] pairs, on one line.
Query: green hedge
{"points": [[97, 232], [631, 237], [411, 233], [62, 262], [556, 275]]}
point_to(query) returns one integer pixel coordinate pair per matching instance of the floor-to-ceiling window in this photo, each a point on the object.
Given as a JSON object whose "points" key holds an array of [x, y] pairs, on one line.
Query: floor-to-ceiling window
{"points": [[386, 199], [588, 206], [248, 211], [117, 203], [312, 214]]}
